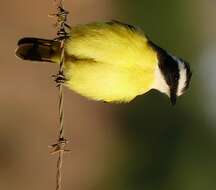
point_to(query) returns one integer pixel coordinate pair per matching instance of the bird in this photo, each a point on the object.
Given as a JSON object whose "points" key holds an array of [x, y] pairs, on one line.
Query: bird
{"points": [[112, 62]]}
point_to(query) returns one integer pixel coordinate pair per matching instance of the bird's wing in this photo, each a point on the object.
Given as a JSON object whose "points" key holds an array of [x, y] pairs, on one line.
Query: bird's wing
{"points": [[110, 42]]}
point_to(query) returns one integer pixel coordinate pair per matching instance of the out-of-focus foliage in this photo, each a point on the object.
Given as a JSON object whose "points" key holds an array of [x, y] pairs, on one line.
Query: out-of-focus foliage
{"points": [[169, 147]]}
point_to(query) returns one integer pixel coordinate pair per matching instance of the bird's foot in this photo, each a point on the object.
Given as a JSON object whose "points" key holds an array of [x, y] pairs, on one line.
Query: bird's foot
{"points": [[59, 78]]}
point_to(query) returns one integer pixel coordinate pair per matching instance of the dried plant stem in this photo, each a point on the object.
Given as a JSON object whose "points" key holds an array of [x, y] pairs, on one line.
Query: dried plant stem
{"points": [[63, 34]]}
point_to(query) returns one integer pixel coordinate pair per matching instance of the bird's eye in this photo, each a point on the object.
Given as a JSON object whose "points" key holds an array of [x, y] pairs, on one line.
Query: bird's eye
{"points": [[175, 78]]}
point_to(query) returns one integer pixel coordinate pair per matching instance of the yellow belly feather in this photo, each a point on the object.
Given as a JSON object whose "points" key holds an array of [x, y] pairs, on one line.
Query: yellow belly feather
{"points": [[113, 63]]}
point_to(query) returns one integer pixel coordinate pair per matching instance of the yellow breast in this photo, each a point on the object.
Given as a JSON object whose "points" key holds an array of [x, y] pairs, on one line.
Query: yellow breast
{"points": [[112, 62]]}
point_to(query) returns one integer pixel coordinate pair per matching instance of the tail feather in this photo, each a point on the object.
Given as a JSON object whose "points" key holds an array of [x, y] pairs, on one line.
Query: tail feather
{"points": [[36, 49]]}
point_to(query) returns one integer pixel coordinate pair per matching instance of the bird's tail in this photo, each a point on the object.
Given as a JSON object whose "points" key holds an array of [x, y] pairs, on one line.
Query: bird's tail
{"points": [[36, 49]]}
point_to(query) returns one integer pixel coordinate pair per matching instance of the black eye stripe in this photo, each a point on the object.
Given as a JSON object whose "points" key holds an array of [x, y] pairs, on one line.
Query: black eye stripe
{"points": [[169, 67]]}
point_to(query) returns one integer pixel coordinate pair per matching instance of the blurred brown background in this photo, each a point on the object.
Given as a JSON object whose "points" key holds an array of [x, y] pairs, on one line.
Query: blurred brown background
{"points": [[147, 144]]}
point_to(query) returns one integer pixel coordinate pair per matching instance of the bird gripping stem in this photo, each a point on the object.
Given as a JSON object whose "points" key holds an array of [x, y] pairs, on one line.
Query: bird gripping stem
{"points": [[62, 34]]}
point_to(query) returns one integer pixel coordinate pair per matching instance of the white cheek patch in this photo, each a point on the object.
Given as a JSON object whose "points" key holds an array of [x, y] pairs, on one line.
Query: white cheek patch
{"points": [[160, 82], [182, 78]]}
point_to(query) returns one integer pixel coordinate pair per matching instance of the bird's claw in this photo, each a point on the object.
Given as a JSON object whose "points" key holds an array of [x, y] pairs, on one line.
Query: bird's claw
{"points": [[59, 78]]}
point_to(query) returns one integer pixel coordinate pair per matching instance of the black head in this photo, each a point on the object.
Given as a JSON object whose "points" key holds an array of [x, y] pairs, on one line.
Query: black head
{"points": [[175, 71]]}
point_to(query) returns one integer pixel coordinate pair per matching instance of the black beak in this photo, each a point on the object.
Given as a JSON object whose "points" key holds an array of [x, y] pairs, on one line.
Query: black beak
{"points": [[173, 99]]}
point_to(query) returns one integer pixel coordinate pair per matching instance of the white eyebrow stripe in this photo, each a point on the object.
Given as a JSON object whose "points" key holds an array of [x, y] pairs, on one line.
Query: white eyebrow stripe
{"points": [[182, 77]]}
